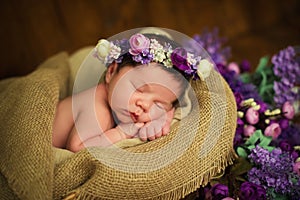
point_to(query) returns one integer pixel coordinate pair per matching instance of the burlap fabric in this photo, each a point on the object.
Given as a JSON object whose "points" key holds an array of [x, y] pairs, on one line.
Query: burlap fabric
{"points": [[27, 159]]}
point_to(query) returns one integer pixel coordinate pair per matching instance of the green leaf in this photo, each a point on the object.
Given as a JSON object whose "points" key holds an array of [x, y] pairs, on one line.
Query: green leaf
{"points": [[265, 141], [241, 152], [240, 178], [246, 78], [252, 146], [262, 63], [269, 148], [240, 167], [253, 139], [263, 82], [267, 93], [281, 197]]}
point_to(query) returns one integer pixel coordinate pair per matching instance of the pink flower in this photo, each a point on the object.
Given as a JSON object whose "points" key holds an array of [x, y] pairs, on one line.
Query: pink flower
{"points": [[252, 116], [227, 198], [249, 130], [273, 130], [233, 66], [138, 43], [296, 168], [288, 110]]}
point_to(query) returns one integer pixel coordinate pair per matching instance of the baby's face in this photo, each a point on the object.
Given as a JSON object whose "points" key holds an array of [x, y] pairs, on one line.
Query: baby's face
{"points": [[142, 93]]}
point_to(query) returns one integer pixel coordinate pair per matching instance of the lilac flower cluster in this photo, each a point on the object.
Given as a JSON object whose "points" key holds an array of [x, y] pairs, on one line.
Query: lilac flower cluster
{"points": [[291, 134], [287, 69], [274, 171], [213, 44]]}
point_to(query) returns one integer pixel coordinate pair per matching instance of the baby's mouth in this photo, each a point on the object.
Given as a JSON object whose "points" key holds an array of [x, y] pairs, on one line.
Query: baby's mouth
{"points": [[134, 116]]}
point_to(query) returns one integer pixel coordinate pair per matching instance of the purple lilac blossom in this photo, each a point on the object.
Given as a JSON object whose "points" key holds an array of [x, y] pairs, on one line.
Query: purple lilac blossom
{"points": [[273, 170], [144, 57], [213, 44], [246, 90], [287, 69], [290, 134]]}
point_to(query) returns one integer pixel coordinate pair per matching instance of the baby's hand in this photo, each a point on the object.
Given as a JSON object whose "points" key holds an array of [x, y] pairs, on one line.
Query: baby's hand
{"points": [[157, 127], [129, 130]]}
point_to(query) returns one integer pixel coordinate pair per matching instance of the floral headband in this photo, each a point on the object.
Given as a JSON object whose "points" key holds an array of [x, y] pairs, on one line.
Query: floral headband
{"points": [[145, 50]]}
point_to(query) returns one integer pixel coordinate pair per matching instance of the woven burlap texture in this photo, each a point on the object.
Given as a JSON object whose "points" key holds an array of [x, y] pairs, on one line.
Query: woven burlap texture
{"points": [[27, 164]]}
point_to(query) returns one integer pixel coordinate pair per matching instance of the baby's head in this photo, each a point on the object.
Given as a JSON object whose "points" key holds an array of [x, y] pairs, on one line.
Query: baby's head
{"points": [[146, 75]]}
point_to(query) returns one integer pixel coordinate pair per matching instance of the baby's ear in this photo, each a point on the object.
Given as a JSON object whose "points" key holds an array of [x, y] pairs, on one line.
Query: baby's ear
{"points": [[111, 70]]}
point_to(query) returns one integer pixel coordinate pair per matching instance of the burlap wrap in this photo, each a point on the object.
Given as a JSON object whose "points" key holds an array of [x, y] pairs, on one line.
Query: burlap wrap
{"points": [[27, 159]]}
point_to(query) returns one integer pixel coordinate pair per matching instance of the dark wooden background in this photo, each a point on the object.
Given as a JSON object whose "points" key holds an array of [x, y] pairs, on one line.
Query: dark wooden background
{"points": [[32, 30]]}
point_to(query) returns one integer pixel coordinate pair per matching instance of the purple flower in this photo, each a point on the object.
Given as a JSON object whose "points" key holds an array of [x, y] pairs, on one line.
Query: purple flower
{"points": [[219, 191], [179, 59], [238, 99], [213, 44], [287, 68], [273, 170], [291, 134], [284, 123], [144, 57], [138, 43], [285, 146], [245, 66], [251, 191], [263, 106]]}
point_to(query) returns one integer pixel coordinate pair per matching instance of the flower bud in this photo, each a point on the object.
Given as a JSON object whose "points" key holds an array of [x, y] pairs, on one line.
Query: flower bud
{"points": [[138, 43], [288, 110], [204, 68], [252, 116], [249, 130], [296, 168], [233, 66], [273, 130], [103, 48]]}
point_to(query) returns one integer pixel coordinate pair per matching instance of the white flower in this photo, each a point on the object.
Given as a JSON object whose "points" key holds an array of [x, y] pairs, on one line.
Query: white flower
{"points": [[103, 49], [115, 51], [155, 45], [204, 68], [190, 59], [168, 62], [159, 55]]}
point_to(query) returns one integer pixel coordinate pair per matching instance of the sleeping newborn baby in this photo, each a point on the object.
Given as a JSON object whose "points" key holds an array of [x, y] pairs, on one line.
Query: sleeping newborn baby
{"points": [[145, 78]]}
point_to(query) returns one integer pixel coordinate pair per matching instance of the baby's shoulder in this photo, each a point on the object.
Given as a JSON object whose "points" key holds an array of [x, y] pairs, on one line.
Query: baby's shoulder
{"points": [[101, 92]]}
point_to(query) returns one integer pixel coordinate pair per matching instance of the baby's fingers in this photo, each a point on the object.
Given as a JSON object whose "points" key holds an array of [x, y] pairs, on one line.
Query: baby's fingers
{"points": [[143, 134], [130, 129], [166, 127]]}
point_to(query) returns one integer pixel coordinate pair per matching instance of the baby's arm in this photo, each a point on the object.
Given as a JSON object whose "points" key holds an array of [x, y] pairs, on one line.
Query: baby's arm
{"points": [[109, 137], [157, 127]]}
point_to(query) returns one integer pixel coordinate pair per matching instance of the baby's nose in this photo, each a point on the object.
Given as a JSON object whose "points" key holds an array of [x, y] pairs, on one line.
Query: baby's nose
{"points": [[145, 105]]}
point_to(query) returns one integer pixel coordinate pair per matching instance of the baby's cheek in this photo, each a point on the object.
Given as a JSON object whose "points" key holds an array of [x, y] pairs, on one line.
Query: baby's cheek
{"points": [[121, 97], [156, 112]]}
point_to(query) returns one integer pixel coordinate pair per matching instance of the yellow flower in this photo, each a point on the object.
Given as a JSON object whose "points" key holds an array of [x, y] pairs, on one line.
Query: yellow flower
{"points": [[204, 68]]}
